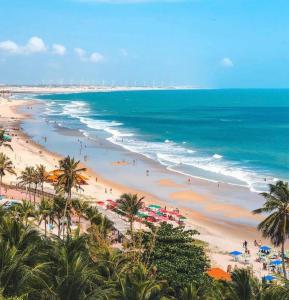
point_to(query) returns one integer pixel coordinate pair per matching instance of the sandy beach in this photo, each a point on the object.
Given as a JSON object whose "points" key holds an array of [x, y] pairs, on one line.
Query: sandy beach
{"points": [[215, 220]]}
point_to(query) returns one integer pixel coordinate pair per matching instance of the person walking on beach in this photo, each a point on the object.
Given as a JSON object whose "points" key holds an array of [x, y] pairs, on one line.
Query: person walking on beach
{"points": [[147, 172], [245, 244]]}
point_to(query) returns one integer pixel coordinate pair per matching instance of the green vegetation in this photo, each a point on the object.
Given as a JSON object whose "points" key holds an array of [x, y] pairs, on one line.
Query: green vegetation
{"points": [[40, 260], [276, 224], [6, 166]]}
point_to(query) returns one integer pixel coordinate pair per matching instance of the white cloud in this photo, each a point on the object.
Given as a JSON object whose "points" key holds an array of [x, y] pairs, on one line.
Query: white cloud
{"points": [[33, 45], [227, 62], [58, 49], [9, 47], [94, 57]]}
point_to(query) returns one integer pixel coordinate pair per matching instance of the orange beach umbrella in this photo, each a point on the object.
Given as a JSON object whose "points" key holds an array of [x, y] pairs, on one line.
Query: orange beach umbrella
{"points": [[219, 274]]}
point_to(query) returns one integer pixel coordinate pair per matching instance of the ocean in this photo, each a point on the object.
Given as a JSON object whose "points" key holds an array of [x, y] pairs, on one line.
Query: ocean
{"points": [[240, 137]]}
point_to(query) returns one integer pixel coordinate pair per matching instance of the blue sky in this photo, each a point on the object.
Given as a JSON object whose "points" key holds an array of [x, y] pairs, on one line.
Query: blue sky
{"points": [[205, 43]]}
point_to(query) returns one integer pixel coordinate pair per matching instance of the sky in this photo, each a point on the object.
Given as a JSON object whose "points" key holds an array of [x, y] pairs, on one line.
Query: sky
{"points": [[200, 43]]}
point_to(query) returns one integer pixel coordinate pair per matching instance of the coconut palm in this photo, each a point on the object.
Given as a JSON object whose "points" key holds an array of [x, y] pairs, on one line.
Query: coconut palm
{"points": [[72, 271], [6, 166], [41, 175], [80, 208], [57, 212], [139, 284], [3, 141], [27, 178], [276, 224], [244, 286], [23, 211], [45, 210], [20, 272], [130, 204], [69, 178]]}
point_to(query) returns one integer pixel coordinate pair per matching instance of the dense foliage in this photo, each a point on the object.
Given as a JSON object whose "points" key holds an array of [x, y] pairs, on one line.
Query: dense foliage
{"points": [[175, 256], [160, 263]]}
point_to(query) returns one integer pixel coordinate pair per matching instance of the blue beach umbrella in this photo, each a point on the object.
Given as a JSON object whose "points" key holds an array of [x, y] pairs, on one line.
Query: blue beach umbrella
{"points": [[265, 248], [235, 253], [269, 278], [276, 262]]}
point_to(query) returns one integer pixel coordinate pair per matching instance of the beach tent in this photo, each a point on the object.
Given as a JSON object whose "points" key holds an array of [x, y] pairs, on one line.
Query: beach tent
{"points": [[7, 138], [235, 253], [142, 215], [265, 248], [219, 274], [276, 263], [269, 278], [151, 219], [154, 206]]}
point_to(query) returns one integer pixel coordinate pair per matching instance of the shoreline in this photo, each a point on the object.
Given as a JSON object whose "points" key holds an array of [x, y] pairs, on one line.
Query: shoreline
{"points": [[214, 231]]}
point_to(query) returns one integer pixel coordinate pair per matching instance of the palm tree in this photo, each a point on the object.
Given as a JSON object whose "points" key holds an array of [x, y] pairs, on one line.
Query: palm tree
{"points": [[72, 271], [20, 271], [41, 175], [244, 286], [45, 209], [130, 204], [80, 208], [27, 179], [139, 284], [23, 211], [276, 224], [6, 165], [57, 212], [69, 178], [3, 141]]}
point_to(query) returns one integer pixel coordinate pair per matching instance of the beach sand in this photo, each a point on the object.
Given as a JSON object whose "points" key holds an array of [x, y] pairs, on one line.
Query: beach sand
{"points": [[222, 234]]}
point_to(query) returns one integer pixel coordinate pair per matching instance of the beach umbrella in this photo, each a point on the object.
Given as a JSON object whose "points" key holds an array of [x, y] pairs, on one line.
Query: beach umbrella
{"points": [[219, 274], [182, 218], [235, 253], [142, 215], [265, 248], [276, 263], [151, 219], [159, 213], [269, 278], [100, 202], [152, 214], [164, 211], [154, 206]]}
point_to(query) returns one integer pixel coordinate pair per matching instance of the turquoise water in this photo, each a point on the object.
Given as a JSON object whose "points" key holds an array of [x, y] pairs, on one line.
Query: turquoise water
{"points": [[236, 136]]}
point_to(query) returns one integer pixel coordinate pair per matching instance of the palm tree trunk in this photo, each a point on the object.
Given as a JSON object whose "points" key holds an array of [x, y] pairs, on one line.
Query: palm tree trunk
{"points": [[131, 228], [42, 188], [45, 230], [283, 246], [35, 189], [59, 228], [65, 210], [29, 192], [0, 184]]}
